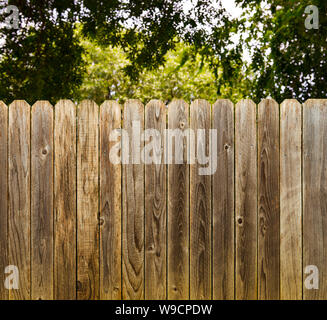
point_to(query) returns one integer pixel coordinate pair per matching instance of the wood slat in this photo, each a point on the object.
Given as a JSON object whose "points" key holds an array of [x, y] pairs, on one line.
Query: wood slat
{"points": [[246, 200], [155, 202], [19, 197], [4, 293], [290, 200], [200, 207], [223, 202], [110, 204], [314, 194], [65, 201], [133, 203], [88, 280], [178, 204], [42, 201], [268, 200]]}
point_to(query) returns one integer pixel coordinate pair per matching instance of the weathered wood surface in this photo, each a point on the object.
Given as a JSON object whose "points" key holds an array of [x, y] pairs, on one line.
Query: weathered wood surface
{"points": [[110, 202], [4, 293], [246, 200], [314, 194], [65, 201], [88, 202], [133, 202], [78, 224], [290, 200], [155, 202], [223, 202], [19, 227], [178, 203], [42, 201], [268, 200], [200, 205]]}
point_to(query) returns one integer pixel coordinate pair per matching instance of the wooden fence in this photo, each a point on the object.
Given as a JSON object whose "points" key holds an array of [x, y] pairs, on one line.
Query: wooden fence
{"points": [[78, 226]]}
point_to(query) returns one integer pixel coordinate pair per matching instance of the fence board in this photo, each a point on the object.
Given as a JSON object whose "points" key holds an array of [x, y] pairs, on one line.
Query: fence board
{"points": [[19, 197], [110, 205], [155, 203], [65, 201], [223, 202], [246, 200], [42, 201], [133, 204], [178, 204], [314, 193], [268, 200], [87, 202], [200, 207], [290, 201], [3, 198]]}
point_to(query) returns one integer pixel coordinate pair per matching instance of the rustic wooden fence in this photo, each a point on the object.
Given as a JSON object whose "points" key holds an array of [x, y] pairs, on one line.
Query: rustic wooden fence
{"points": [[78, 226]]}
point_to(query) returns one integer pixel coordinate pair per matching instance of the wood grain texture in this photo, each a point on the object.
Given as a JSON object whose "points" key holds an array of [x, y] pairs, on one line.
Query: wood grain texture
{"points": [[155, 203], [290, 200], [246, 200], [88, 280], [315, 194], [110, 204], [268, 201], [223, 202], [65, 201], [4, 294], [19, 197], [178, 204], [200, 206], [42, 201], [133, 203]]}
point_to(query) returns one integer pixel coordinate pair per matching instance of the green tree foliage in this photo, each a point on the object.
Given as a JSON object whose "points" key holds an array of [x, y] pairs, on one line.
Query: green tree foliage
{"points": [[185, 75], [287, 60], [43, 58]]}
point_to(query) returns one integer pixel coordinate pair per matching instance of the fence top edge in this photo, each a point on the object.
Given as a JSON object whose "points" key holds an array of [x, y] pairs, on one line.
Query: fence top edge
{"points": [[86, 102], [3, 105], [290, 101], [268, 101], [177, 102], [314, 102], [245, 101], [62, 103], [19, 103], [223, 102], [42, 104], [154, 103], [195, 103], [109, 104], [133, 101]]}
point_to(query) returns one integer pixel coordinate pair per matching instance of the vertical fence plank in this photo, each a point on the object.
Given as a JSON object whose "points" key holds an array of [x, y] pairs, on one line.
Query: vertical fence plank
{"points": [[315, 194], [268, 200], [42, 201], [290, 201], [223, 202], [88, 201], [3, 198], [246, 200], [178, 202], [19, 197], [155, 202], [110, 204], [65, 201], [200, 205], [133, 202]]}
